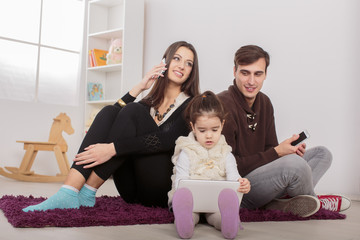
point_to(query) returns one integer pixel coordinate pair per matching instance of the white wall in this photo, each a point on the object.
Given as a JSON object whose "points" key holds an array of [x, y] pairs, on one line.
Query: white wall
{"points": [[312, 80]]}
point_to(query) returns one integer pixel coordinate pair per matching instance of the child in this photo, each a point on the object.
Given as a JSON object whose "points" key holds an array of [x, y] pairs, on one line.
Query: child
{"points": [[204, 154]]}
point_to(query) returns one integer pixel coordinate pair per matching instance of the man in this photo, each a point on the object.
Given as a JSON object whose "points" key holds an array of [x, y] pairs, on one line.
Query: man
{"points": [[282, 176]]}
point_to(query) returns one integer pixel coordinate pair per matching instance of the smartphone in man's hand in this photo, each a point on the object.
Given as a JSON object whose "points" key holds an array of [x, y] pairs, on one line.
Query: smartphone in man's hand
{"points": [[302, 137]]}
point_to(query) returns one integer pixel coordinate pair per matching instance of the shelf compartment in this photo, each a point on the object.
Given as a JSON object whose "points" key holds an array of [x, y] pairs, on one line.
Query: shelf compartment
{"points": [[105, 15]]}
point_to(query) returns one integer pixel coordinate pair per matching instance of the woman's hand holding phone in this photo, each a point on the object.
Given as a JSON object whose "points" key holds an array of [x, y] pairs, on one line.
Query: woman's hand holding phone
{"points": [[149, 79]]}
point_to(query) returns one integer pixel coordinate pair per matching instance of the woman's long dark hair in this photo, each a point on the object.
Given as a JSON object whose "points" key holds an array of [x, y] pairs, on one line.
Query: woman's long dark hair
{"points": [[189, 87]]}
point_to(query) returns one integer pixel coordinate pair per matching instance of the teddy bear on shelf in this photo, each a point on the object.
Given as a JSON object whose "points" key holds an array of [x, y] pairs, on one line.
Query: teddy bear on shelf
{"points": [[115, 52]]}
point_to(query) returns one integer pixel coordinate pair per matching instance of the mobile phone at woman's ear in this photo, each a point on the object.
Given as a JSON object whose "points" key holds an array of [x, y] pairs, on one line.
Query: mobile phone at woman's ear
{"points": [[163, 71], [302, 137]]}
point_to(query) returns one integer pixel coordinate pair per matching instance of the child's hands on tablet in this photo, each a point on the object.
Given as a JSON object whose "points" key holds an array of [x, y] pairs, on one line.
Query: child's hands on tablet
{"points": [[244, 185]]}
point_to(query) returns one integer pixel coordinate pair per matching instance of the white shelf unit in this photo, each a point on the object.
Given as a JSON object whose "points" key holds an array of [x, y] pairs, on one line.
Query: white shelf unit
{"points": [[108, 20]]}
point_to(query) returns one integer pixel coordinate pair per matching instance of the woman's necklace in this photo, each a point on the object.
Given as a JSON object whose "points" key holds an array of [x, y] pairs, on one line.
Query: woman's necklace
{"points": [[161, 116]]}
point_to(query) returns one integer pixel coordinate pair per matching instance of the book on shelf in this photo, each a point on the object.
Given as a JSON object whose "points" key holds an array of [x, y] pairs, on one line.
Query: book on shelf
{"points": [[95, 91], [97, 57], [91, 60]]}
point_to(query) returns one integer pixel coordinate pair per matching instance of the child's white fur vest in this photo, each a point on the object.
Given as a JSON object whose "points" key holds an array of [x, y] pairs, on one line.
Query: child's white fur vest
{"points": [[204, 163]]}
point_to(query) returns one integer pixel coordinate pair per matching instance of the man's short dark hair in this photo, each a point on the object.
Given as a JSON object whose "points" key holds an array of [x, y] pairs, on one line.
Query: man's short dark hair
{"points": [[249, 54]]}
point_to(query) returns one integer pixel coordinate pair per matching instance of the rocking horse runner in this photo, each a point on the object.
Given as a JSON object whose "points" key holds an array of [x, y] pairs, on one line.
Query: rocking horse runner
{"points": [[56, 143]]}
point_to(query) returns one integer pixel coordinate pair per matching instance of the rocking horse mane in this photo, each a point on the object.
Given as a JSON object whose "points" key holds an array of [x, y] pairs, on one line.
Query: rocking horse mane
{"points": [[61, 123]]}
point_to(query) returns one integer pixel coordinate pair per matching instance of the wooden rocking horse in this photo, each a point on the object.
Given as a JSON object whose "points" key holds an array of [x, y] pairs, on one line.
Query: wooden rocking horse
{"points": [[56, 143]]}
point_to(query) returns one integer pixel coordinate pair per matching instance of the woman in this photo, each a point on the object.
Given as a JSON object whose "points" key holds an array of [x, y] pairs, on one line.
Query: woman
{"points": [[134, 142]]}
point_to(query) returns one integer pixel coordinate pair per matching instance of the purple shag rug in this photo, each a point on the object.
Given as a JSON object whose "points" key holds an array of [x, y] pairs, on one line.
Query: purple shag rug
{"points": [[113, 211]]}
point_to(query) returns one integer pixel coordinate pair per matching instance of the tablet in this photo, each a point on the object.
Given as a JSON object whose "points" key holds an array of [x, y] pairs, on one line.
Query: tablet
{"points": [[205, 193]]}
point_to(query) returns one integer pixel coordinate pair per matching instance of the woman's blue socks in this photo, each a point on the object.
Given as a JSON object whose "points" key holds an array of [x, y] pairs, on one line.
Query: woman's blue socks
{"points": [[64, 198], [67, 197], [87, 196]]}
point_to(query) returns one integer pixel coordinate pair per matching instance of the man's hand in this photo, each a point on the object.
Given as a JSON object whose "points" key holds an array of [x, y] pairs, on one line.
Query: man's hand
{"points": [[301, 149], [95, 155], [285, 147]]}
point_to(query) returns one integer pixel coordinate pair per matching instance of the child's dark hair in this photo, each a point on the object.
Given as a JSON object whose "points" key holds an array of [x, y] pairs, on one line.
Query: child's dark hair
{"points": [[207, 104]]}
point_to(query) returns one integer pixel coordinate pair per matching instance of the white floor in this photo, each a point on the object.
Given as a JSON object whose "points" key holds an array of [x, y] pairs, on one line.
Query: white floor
{"points": [[348, 229]]}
